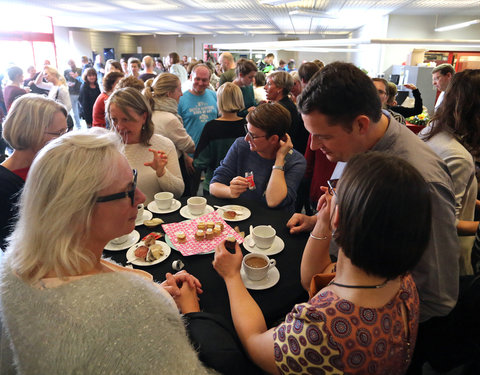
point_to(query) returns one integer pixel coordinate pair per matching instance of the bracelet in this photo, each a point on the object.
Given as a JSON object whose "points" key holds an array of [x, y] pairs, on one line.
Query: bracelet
{"points": [[280, 167], [319, 238]]}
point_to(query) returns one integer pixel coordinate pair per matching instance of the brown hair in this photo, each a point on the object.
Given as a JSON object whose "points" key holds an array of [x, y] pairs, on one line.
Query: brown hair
{"points": [[272, 118], [244, 67]]}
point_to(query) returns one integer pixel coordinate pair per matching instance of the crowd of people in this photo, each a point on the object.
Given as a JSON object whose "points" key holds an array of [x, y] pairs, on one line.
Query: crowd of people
{"points": [[391, 214]]}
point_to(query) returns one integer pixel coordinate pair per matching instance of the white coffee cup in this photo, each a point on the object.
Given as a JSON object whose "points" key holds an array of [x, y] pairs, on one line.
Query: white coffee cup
{"points": [[140, 211], [263, 236], [120, 240], [196, 205], [163, 200], [256, 265]]}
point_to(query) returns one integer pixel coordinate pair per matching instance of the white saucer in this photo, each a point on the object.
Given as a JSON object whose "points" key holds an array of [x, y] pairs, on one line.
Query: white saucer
{"points": [[185, 212], [132, 240], [276, 247], [244, 212], [147, 215], [273, 275], [131, 258], [152, 206]]}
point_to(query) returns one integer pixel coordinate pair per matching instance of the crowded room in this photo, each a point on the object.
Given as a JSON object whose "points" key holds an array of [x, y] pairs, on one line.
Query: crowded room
{"points": [[257, 187]]}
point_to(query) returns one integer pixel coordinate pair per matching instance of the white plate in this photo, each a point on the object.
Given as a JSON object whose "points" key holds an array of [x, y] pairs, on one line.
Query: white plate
{"points": [[185, 212], [147, 215], [169, 243], [273, 275], [152, 206], [134, 237], [245, 213], [277, 246], [138, 262]]}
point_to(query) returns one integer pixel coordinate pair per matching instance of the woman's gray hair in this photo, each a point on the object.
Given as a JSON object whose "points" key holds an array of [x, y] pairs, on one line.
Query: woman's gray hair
{"points": [[27, 120], [230, 98], [283, 80], [57, 204], [129, 97]]}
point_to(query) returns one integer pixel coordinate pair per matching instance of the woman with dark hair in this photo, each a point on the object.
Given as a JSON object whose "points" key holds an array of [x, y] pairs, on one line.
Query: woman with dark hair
{"points": [[454, 135], [363, 313], [89, 93], [109, 82], [245, 73], [14, 89], [267, 153]]}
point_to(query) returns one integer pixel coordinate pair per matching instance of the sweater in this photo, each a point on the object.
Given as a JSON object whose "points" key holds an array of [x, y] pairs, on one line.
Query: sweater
{"points": [[168, 125], [87, 99], [10, 188], [248, 99], [137, 154], [109, 323]]}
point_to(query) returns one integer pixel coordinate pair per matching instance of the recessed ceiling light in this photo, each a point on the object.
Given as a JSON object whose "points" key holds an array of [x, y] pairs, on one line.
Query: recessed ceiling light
{"points": [[457, 26]]}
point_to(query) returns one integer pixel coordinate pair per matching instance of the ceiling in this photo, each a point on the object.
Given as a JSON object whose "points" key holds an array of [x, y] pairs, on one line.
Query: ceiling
{"points": [[245, 17]]}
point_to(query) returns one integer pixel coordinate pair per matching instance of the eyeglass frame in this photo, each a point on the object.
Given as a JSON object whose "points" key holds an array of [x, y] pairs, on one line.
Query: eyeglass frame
{"points": [[332, 184], [251, 135], [59, 133], [129, 193]]}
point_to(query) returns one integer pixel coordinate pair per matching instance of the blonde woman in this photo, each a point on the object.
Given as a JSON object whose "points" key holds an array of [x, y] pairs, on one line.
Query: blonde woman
{"points": [[56, 84], [163, 94], [33, 121], [153, 155], [65, 309], [219, 134]]}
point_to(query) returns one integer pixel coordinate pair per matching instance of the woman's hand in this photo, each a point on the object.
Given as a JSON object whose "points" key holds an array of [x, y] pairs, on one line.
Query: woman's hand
{"points": [[187, 301], [188, 161], [285, 147], [325, 211], [237, 186], [225, 263], [174, 283], [160, 160]]}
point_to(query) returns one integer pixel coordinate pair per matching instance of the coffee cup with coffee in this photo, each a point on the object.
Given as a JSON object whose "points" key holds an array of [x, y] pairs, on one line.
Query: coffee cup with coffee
{"points": [[196, 205], [256, 266], [263, 236], [163, 200], [121, 239], [140, 211]]}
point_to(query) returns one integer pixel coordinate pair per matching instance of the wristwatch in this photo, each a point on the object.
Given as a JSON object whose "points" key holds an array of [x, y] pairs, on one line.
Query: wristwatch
{"points": [[279, 167]]}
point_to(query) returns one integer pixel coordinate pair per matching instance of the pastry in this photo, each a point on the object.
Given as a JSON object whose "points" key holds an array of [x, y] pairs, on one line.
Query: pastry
{"points": [[153, 223], [181, 237], [210, 224], [149, 240], [209, 234], [220, 224], [230, 242], [200, 235], [229, 214], [201, 225], [154, 253], [217, 230]]}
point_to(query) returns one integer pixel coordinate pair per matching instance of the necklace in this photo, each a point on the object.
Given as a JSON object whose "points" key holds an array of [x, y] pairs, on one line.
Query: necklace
{"points": [[359, 286]]}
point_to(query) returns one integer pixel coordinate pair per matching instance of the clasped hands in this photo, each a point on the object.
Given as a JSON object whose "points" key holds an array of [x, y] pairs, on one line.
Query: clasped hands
{"points": [[184, 288]]}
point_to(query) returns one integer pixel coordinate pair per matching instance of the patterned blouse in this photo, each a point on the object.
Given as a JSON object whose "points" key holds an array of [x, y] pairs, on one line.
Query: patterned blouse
{"points": [[330, 335]]}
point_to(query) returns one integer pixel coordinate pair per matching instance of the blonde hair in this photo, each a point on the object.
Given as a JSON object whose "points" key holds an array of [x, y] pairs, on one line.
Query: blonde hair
{"points": [[57, 204], [230, 98], [160, 87], [27, 120], [55, 72], [129, 97]]}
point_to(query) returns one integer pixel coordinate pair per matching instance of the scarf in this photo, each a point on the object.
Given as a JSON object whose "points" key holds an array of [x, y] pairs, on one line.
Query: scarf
{"points": [[167, 104]]}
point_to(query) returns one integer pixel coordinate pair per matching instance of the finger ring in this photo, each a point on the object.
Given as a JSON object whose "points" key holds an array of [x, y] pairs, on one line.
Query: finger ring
{"points": [[177, 265]]}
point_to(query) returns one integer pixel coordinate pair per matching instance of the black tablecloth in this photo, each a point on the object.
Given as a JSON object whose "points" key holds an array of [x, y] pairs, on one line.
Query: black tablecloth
{"points": [[275, 302]]}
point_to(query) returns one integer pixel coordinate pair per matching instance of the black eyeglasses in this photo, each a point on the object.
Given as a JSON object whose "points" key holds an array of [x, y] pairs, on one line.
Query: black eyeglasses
{"points": [[251, 135], [332, 184], [130, 193], [59, 133]]}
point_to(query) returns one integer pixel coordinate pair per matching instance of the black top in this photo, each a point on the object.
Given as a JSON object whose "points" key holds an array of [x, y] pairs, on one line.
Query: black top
{"points": [[87, 99], [408, 112], [10, 188], [146, 76], [297, 131]]}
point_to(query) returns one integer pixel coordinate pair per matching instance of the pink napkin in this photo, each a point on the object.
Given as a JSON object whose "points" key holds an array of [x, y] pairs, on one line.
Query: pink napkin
{"points": [[189, 227]]}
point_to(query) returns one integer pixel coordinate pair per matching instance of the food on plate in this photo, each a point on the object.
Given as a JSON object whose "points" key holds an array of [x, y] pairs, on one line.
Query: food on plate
{"points": [[141, 252], [217, 230], [220, 224], [201, 225], [230, 242], [154, 252], [153, 223], [149, 240], [209, 234], [210, 224], [237, 229], [229, 214], [181, 237], [200, 235]]}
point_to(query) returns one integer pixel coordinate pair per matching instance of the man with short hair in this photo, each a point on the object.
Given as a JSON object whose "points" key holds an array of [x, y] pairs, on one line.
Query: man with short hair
{"points": [[228, 68], [266, 65], [73, 78], [342, 111], [134, 67], [306, 72], [383, 90], [148, 65], [197, 106], [441, 77]]}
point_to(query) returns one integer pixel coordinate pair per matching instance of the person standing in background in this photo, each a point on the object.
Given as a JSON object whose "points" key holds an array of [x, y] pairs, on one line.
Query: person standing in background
{"points": [[89, 93], [441, 77], [148, 72], [13, 90], [177, 68], [228, 68], [73, 78]]}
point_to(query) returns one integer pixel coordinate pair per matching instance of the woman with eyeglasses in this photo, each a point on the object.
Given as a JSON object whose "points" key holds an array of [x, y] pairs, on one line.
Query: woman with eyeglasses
{"points": [[268, 153], [67, 310], [363, 312], [33, 121], [152, 155]]}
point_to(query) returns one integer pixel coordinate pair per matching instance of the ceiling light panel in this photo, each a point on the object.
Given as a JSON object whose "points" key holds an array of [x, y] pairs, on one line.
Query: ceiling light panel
{"points": [[146, 5], [444, 4], [86, 7], [189, 18]]}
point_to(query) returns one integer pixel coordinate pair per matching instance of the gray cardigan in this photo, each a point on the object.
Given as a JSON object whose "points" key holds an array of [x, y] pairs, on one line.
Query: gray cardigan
{"points": [[112, 323]]}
